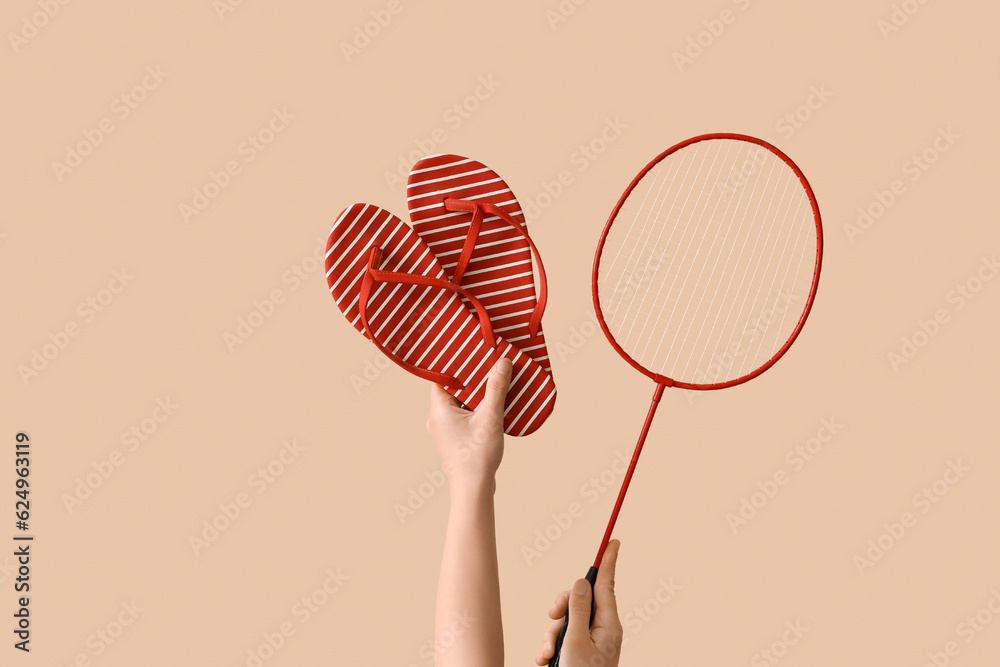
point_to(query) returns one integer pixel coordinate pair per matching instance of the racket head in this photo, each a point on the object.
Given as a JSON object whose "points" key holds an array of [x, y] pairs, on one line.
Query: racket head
{"points": [[738, 163]]}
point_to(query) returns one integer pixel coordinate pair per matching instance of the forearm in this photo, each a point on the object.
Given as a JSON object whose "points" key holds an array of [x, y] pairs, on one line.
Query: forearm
{"points": [[468, 627]]}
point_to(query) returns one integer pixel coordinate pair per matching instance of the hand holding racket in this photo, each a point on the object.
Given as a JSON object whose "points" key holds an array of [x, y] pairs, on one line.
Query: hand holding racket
{"points": [[706, 271], [594, 627]]}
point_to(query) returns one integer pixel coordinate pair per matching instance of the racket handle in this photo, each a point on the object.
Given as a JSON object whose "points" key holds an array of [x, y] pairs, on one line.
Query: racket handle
{"points": [[592, 578]]}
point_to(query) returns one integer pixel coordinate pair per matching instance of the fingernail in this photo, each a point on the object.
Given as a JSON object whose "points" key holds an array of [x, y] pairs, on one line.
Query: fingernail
{"points": [[546, 647], [581, 587]]}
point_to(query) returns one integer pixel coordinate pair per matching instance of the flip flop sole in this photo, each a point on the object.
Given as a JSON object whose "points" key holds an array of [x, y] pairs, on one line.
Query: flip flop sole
{"points": [[499, 272], [427, 326]]}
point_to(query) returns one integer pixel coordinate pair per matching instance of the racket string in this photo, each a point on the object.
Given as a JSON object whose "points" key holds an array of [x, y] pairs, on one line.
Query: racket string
{"points": [[700, 199], [771, 288], [715, 295], [701, 260], [652, 216], [739, 231], [650, 222], [756, 267]]}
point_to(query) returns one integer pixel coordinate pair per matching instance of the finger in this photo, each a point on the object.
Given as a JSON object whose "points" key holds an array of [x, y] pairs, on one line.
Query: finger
{"points": [[553, 633], [441, 399], [496, 388], [579, 613], [549, 642], [604, 588], [558, 609], [441, 403]]}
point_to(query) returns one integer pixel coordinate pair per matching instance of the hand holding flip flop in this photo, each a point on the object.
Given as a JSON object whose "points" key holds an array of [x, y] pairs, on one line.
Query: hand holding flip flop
{"points": [[450, 296]]}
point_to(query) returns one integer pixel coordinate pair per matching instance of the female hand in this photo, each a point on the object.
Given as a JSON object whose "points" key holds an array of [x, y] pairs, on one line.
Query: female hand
{"points": [[471, 443], [584, 642]]}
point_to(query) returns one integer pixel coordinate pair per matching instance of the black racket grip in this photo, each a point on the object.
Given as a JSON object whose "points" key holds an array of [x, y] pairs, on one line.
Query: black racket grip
{"points": [[592, 578]]}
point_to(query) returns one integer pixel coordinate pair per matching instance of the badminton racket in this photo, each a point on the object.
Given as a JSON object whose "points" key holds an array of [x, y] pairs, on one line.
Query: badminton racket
{"points": [[706, 272]]}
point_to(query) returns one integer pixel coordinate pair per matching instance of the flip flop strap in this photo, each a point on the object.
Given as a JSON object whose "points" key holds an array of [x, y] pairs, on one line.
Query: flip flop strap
{"points": [[477, 208], [471, 238], [373, 275]]}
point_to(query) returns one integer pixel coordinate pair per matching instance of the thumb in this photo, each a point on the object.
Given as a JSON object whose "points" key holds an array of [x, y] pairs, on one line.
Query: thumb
{"points": [[579, 612], [496, 388]]}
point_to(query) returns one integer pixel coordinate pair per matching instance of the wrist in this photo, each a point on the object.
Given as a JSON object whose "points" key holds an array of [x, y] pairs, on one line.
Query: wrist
{"points": [[472, 488]]}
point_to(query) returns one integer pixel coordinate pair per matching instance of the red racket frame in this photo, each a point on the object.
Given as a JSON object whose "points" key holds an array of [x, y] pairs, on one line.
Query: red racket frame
{"points": [[663, 381]]}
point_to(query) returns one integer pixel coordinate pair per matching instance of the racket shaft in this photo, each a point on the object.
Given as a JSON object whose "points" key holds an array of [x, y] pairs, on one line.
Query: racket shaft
{"points": [[592, 573], [628, 475]]}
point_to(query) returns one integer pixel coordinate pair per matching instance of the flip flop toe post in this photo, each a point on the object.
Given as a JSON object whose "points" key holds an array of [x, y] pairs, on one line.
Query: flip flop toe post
{"points": [[470, 218], [391, 287]]}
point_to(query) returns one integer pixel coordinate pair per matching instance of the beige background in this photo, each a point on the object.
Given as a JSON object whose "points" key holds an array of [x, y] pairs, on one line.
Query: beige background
{"points": [[298, 377]]}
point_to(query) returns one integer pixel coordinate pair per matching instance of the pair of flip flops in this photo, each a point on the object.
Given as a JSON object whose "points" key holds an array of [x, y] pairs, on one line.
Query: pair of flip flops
{"points": [[448, 297]]}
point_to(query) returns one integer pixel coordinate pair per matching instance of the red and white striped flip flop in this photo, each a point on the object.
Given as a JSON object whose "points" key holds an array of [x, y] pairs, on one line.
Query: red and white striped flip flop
{"points": [[390, 286], [471, 220]]}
